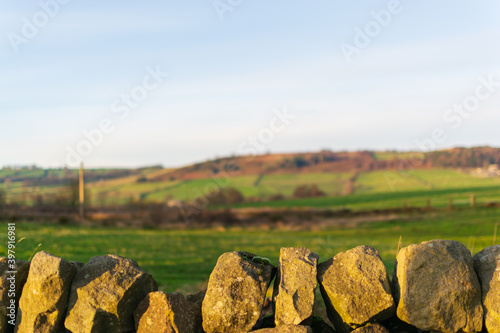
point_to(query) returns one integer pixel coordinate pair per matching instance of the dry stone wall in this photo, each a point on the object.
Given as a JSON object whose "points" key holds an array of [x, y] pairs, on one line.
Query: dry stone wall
{"points": [[436, 286]]}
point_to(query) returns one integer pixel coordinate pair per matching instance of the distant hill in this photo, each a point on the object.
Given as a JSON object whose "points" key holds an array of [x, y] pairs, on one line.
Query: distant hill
{"points": [[263, 177], [334, 162], [324, 161], [35, 176], [477, 157], [292, 163]]}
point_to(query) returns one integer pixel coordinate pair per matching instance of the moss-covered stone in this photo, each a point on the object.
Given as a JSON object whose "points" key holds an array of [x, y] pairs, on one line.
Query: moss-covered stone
{"points": [[7, 310], [44, 300], [105, 293], [236, 293], [487, 267], [437, 288], [356, 289], [160, 312], [295, 286]]}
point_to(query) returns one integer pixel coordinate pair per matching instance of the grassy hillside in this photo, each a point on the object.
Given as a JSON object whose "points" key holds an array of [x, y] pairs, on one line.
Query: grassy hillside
{"points": [[419, 180], [345, 177], [390, 188], [375, 189], [388, 200]]}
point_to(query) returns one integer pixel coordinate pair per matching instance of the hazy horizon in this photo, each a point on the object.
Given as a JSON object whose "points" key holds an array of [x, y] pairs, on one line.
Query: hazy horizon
{"points": [[139, 165], [125, 84]]}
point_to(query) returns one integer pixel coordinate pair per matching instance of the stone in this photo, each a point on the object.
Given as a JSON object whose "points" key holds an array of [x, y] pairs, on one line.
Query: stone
{"points": [[11, 285], [356, 288], [295, 286], [78, 265], [44, 299], [375, 328], [286, 329], [236, 292], [197, 298], [436, 287], [160, 312], [104, 294], [487, 267]]}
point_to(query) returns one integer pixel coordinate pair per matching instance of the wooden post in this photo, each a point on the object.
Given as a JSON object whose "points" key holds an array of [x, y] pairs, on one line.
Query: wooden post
{"points": [[82, 192], [473, 200], [450, 203]]}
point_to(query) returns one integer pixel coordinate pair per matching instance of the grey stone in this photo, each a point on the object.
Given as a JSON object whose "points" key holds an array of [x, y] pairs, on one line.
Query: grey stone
{"points": [[487, 266], [437, 288], [78, 265], [44, 299], [197, 298], [105, 293], [356, 288], [11, 285], [295, 285], [236, 292], [160, 312]]}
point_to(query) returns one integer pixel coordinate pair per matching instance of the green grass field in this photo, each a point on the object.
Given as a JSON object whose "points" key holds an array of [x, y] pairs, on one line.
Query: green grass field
{"points": [[439, 198], [249, 186], [183, 259]]}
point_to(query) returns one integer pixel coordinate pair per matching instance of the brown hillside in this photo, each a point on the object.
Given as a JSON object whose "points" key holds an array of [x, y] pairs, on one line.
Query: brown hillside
{"points": [[291, 163], [476, 157]]}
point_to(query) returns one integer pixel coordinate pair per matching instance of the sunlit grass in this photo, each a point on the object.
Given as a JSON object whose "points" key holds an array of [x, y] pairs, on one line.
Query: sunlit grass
{"points": [[183, 259]]}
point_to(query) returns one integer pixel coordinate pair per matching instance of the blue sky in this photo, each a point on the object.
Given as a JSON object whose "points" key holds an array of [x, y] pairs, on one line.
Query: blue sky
{"points": [[229, 72]]}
